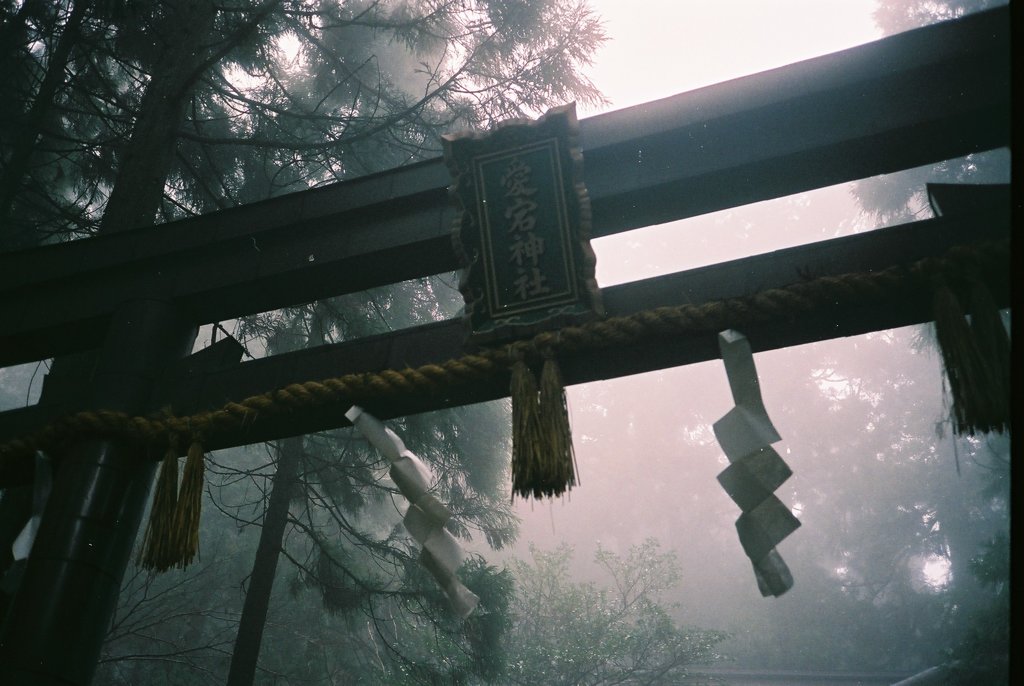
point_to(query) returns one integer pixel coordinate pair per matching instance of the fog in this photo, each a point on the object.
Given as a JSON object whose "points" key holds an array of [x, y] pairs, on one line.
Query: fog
{"points": [[863, 420], [901, 560], [864, 427]]}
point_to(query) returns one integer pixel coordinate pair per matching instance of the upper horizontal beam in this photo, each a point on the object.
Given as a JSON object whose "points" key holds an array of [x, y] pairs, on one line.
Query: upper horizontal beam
{"points": [[919, 97]]}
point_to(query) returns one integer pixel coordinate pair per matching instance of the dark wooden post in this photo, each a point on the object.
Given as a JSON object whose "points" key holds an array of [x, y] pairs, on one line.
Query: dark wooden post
{"points": [[57, 621], [264, 567]]}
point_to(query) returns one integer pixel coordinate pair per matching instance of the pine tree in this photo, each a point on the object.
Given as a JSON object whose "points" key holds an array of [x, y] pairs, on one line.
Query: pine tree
{"points": [[131, 113]]}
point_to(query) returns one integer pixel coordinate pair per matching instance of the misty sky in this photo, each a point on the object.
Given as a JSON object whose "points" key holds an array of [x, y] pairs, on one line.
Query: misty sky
{"points": [[887, 500], [647, 458], [662, 47], [665, 48]]}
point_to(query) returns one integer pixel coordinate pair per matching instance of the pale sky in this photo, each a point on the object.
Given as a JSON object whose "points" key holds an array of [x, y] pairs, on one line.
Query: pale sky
{"points": [[659, 48], [656, 49]]}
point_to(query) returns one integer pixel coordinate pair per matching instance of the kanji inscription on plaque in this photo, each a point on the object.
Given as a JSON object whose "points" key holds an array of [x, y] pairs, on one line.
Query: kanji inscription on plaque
{"points": [[523, 235]]}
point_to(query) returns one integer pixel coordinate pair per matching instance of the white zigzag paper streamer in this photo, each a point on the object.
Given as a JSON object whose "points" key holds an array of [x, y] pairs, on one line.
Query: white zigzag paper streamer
{"points": [[41, 488], [426, 516], [756, 470]]}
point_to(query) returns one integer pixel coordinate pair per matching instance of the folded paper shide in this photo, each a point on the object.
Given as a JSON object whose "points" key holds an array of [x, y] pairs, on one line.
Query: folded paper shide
{"points": [[756, 470], [441, 554]]}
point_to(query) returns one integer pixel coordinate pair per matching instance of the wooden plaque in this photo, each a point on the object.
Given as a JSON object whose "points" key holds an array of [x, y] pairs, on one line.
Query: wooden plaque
{"points": [[523, 237]]}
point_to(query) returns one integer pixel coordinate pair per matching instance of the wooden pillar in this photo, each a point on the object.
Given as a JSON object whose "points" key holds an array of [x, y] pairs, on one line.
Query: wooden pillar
{"points": [[55, 627]]}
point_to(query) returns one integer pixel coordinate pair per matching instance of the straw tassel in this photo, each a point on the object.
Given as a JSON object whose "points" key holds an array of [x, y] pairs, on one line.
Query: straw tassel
{"points": [[526, 434], [993, 357], [189, 507], [156, 543], [559, 459], [954, 338], [976, 359]]}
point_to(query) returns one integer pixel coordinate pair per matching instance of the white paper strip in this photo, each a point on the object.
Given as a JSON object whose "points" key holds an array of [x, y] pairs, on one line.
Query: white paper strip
{"points": [[772, 574], [739, 366], [42, 484], [418, 524], [441, 553], [756, 470], [411, 476], [445, 549], [434, 508], [745, 428], [463, 600], [379, 436]]}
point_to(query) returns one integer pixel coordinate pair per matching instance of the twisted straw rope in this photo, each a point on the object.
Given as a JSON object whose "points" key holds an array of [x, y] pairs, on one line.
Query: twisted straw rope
{"points": [[960, 265]]}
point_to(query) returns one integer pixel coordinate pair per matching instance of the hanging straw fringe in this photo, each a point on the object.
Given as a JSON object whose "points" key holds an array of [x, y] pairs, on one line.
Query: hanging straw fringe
{"points": [[976, 359], [172, 536], [559, 460], [156, 543], [994, 358], [526, 435], [543, 462], [190, 507]]}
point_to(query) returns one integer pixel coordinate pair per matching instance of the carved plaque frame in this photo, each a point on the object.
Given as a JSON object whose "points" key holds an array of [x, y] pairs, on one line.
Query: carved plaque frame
{"points": [[523, 235]]}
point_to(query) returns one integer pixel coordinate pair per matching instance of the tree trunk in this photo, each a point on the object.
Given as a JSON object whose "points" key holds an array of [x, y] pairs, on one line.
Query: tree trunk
{"points": [[54, 630], [146, 161], [257, 599], [32, 125]]}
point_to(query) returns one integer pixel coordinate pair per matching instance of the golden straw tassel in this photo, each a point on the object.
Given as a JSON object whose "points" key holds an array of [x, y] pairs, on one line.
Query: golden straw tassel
{"points": [[190, 507], [960, 359], [559, 459], [155, 553], [993, 346], [526, 437]]}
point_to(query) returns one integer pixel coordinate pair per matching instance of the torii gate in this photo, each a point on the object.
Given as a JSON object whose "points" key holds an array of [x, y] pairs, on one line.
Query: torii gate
{"points": [[136, 298]]}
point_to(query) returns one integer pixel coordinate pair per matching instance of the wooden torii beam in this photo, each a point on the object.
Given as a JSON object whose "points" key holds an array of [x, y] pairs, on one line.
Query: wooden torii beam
{"points": [[913, 99], [214, 377]]}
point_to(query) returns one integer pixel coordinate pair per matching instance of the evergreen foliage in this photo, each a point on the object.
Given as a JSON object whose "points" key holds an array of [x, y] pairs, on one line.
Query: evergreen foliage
{"points": [[119, 114], [236, 101], [571, 632], [284, 95]]}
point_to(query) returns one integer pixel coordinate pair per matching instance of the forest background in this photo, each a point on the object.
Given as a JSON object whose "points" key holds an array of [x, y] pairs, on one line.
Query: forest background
{"points": [[118, 114]]}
